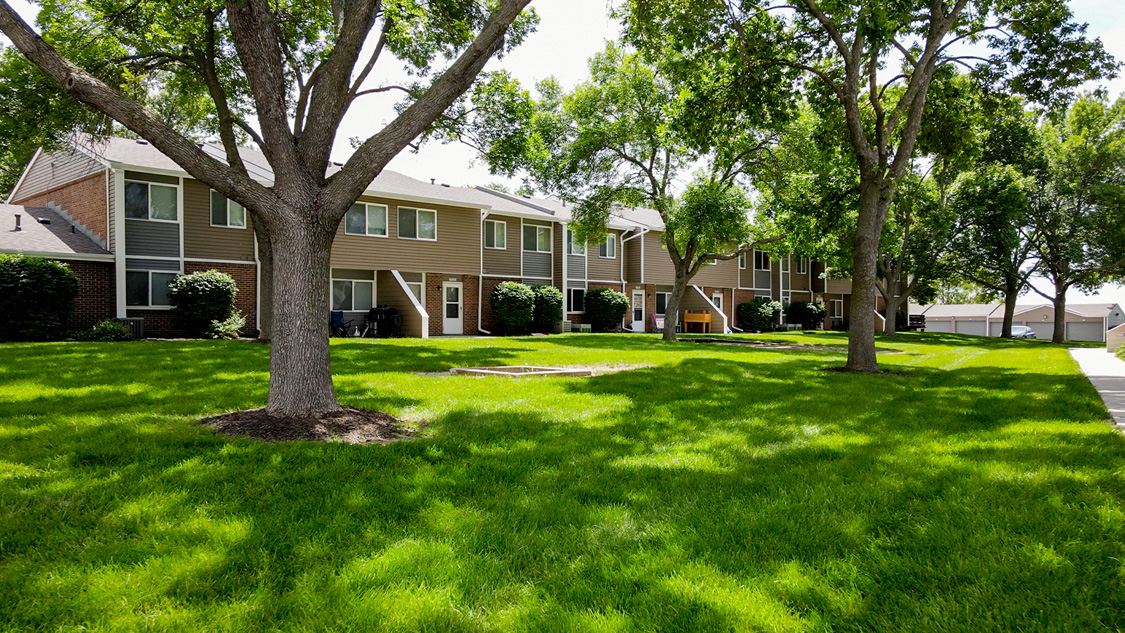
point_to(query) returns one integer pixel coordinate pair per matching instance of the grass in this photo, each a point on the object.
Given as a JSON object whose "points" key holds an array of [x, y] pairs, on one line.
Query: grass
{"points": [[713, 489]]}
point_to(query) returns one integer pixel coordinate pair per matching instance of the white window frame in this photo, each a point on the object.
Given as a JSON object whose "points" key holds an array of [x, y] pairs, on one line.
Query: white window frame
{"points": [[150, 185], [332, 289], [572, 246], [718, 294], [785, 265], [608, 247], [150, 305], [742, 261], [769, 264], [802, 266], [417, 223], [367, 207], [228, 201], [491, 230], [656, 302], [537, 228], [570, 300], [834, 314]]}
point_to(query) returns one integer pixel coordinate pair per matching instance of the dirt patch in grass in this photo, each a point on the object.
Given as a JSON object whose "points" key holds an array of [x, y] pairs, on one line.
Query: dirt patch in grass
{"points": [[782, 346], [349, 425], [595, 370], [881, 372]]}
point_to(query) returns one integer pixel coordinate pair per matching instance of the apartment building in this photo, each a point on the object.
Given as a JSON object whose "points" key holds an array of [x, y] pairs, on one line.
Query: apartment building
{"points": [[129, 220]]}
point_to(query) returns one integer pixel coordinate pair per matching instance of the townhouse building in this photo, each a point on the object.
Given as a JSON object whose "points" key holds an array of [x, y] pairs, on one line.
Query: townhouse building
{"points": [[129, 220]]}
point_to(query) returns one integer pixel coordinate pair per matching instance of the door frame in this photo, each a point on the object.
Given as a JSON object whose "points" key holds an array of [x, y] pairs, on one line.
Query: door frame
{"points": [[460, 320], [633, 307]]}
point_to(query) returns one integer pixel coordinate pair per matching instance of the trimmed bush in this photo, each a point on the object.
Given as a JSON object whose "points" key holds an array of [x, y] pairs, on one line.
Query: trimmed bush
{"points": [[108, 331], [810, 314], [36, 298], [513, 305], [605, 308], [227, 328], [759, 315], [548, 308], [200, 299]]}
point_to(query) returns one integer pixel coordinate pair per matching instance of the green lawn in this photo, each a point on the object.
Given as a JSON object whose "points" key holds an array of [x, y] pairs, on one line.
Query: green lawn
{"points": [[712, 489]]}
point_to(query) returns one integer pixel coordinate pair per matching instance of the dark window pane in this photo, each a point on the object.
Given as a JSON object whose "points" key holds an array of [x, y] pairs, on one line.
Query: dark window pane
{"points": [[136, 288], [160, 283], [529, 238], [490, 235], [577, 300], [355, 220], [218, 209], [341, 295], [407, 223], [364, 298], [136, 200], [661, 302]]}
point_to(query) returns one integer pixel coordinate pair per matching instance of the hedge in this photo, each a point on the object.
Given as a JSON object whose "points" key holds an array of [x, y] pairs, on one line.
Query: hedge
{"points": [[605, 308], [759, 315], [513, 306], [548, 308], [201, 299], [36, 298]]}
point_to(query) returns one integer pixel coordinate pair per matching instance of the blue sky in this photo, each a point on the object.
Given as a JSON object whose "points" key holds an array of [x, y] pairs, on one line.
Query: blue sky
{"points": [[570, 32]]}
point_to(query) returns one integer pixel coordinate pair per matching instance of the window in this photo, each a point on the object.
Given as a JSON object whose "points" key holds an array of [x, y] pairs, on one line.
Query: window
{"points": [[761, 260], [353, 290], [495, 234], [145, 201], [742, 261], [785, 264], [537, 239], [662, 302], [572, 245], [717, 299], [414, 283], [608, 247], [577, 300], [417, 224], [226, 212], [837, 308], [145, 288], [366, 219], [802, 265]]}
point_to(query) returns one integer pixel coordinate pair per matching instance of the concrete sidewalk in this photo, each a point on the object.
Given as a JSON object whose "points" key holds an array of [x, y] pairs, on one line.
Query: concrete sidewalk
{"points": [[1107, 373]]}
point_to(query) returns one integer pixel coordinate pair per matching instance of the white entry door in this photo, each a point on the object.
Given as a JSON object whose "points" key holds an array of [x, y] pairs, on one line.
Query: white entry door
{"points": [[452, 309], [638, 324]]}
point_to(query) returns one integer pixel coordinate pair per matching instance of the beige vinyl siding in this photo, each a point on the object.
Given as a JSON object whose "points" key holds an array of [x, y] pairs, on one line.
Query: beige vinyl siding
{"points": [[603, 268], [55, 169], [503, 261], [456, 249], [631, 251], [722, 275], [658, 267], [390, 293], [840, 286], [203, 241], [798, 281]]}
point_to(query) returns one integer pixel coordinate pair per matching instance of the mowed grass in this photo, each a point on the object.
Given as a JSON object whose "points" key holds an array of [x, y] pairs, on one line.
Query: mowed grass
{"points": [[709, 489]]}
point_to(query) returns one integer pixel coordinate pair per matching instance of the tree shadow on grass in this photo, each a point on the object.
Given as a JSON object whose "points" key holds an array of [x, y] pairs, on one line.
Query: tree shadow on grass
{"points": [[747, 491]]}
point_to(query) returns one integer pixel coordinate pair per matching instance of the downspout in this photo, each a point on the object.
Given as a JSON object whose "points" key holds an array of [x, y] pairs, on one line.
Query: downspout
{"points": [[480, 278], [565, 272]]}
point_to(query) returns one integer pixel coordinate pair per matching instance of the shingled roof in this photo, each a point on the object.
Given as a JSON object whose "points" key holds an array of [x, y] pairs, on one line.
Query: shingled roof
{"points": [[45, 233]]}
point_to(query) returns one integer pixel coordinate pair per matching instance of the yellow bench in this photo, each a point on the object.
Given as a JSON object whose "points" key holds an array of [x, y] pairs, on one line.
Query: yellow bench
{"points": [[702, 317]]}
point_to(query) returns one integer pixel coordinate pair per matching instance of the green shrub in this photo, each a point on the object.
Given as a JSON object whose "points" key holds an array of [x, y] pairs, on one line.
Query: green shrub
{"points": [[513, 305], [605, 308], [107, 331], [200, 299], [228, 327], [810, 314], [548, 308], [36, 298], [759, 315]]}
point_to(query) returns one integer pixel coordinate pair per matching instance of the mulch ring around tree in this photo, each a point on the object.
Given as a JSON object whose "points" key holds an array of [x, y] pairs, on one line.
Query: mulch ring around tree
{"points": [[348, 425]]}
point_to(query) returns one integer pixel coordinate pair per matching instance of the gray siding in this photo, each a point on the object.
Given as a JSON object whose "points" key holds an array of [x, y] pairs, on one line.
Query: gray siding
{"points": [[54, 169], [537, 265], [761, 278], [576, 267], [156, 239], [137, 263]]}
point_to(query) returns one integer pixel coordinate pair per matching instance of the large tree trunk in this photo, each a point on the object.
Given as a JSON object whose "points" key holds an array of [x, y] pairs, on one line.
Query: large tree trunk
{"points": [[300, 368], [1058, 335], [861, 326], [1011, 295], [672, 312], [265, 283], [890, 327]]}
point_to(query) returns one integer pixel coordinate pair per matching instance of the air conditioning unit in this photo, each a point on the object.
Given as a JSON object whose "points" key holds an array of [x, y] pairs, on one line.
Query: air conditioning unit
{"points": [[567, 326], [584, 327], [136, 326]]}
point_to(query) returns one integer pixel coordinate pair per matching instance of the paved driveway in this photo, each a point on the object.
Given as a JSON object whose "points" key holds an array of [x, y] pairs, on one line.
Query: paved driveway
{"points": [[1107, 373]]}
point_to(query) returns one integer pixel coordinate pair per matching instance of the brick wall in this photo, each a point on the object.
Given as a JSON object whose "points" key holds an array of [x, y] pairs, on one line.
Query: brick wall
{"points": [[488, 320], [84, 200], [435, 304], [246, 301], [96, 300], [740, 296], [158, 323]]}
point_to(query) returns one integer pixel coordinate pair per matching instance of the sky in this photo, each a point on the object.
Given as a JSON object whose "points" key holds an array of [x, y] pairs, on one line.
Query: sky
{"points": [[570, 31]]}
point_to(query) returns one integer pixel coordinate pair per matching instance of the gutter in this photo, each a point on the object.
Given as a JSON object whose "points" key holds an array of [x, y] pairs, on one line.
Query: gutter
{"points": [[83, 257]]}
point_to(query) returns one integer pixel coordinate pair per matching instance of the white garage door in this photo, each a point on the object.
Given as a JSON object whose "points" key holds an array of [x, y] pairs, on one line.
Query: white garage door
{"points": [[1042, 330], [1084, 332], [937, 326], [971, 327], [995, 328]]}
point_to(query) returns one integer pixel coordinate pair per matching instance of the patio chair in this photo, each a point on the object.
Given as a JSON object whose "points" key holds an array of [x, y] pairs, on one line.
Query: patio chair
{"points": [[339, 326]]}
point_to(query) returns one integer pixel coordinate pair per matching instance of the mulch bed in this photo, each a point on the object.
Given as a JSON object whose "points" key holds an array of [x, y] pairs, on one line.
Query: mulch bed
{"points": [[349, 425]]}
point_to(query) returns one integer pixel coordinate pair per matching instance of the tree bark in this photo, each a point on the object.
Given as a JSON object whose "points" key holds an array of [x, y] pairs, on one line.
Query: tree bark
{"points": [[861, 326], [1011, 295], [890, 328], [672, 311], [265, 283], [1058, 334], [300, 367]]}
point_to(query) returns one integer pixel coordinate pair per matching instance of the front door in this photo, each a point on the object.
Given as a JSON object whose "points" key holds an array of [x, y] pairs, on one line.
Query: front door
{"points": [[638, 324], [451, 322]]}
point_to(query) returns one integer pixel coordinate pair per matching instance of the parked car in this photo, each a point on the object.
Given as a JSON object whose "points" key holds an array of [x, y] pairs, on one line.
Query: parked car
{"points": [[1022, 331]]}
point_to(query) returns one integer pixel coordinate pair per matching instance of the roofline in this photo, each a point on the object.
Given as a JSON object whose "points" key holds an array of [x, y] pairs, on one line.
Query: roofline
{"points": [[90, 257]]}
